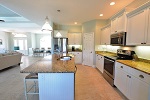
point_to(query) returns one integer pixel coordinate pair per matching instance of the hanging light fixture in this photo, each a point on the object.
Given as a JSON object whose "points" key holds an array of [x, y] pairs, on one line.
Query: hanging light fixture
{"points": [[46, 26], [58, 33]]}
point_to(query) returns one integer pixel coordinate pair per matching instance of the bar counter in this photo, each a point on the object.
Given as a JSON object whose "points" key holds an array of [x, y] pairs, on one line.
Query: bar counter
{"points": [[56, 78], [51, 64]]}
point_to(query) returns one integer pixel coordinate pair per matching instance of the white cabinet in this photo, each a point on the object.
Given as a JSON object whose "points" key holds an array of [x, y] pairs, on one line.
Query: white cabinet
{"points": [[74, 38], [105, 35], [56, 86], [118, 22], [138, 27], [132, 83], [100, 62], [62, 32], [78, 57]]}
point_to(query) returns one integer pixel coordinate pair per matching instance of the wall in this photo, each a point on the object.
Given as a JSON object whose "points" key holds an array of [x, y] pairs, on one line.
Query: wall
{"points": [[69, 28], [38, 37], [5, 41], [141, 51]]}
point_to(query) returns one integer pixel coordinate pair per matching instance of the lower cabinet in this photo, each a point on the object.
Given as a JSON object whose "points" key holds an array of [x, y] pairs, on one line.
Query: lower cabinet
{"points": [[100, 62], [134, 84], [78, 57]]}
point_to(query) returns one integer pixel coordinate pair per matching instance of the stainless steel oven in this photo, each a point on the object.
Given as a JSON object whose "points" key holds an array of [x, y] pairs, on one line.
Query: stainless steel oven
{"points": [[109, 68]]}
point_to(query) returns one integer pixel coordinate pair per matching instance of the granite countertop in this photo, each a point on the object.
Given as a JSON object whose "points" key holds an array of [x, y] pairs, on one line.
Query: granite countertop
{"points": [[75, 51], [141, 65], [105, 53], [51, 64]]}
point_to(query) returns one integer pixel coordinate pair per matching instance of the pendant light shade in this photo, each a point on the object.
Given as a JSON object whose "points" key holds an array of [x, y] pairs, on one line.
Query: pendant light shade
{"points": [[58, 34], [46, 26]]}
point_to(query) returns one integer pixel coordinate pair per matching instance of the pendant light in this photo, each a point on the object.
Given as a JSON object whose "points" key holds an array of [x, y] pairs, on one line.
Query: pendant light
{"points": [[58, 33], [46, 26]]}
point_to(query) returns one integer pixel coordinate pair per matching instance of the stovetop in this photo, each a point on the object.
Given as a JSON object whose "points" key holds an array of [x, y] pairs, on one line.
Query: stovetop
{"points": [[122, 55]]}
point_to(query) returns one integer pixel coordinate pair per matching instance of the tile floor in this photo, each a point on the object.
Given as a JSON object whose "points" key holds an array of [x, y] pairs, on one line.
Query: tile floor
{"points": [[89, 85]]}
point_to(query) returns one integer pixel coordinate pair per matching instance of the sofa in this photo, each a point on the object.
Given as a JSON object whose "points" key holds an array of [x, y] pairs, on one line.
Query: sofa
{"points": [[9, 59]]}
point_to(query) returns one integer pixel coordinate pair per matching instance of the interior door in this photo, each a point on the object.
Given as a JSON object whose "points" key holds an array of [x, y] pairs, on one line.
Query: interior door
{"points": [[88, 49]]}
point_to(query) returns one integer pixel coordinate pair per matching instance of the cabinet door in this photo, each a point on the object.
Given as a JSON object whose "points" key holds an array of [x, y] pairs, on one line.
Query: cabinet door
{"points": [[101, 63], [77, 38], [105, 36], [121, 23], [121, 81], [136, 28], [148, 32], [139, 90], [70, 38], [78, 57], [114, 26], [97, 60]]}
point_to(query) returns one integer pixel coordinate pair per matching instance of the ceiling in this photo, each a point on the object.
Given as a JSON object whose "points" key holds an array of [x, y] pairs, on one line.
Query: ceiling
{"points": [[29, 15]]}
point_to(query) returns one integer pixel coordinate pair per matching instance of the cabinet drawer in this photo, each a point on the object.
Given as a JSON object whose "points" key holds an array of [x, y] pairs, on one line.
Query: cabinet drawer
{"points": [[122, 67], [140, 75]]}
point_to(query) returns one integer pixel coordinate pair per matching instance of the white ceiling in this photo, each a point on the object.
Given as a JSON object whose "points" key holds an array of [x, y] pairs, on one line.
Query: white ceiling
{"points": [[29, 15]]}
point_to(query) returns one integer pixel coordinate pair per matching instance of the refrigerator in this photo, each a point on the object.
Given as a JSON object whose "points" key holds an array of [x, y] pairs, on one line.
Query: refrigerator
{"points": [[60, 45]]}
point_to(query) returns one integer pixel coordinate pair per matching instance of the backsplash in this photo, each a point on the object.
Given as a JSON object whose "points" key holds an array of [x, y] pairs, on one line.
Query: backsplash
{"points": [[141, 51]]}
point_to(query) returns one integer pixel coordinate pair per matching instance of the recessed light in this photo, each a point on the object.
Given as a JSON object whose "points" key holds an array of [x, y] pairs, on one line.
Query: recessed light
{"points": [[112, 3], [101, 15], [75, 22]]}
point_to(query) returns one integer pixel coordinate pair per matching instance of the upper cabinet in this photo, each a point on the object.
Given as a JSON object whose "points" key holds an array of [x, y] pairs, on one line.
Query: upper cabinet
{"points": [[118, 22], [105, 35], [62, 32], [74, 38], [138, 26]]}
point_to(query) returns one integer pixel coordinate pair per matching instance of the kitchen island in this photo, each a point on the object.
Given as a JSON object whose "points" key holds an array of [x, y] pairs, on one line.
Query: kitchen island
{"points": [[56, 77]]}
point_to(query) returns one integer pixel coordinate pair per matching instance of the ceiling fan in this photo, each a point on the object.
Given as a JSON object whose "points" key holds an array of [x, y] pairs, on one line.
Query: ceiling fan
{"points": [[1, 20]]}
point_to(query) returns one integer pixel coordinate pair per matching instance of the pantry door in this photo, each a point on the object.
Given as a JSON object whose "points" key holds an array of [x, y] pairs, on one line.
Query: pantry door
{"points": [[88, 49]]}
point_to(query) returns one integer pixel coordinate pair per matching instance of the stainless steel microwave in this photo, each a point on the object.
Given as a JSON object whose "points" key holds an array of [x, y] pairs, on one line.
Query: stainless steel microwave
{"points": [[118, 39]]}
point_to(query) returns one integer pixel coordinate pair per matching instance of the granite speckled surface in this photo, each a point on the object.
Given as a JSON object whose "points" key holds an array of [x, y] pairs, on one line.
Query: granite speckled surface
{"points": [[51, 64], [105, 53], [141, 65]]}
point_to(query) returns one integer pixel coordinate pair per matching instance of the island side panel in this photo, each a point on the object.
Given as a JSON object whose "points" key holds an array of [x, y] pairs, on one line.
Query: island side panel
{"points": [[56, 86]]}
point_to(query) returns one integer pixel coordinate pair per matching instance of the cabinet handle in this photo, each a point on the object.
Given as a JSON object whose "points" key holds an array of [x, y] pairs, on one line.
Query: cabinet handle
{"points": [[127, 75], [91, 51], [101, 57], [142, 43], [115, 31], [121, 66], [141, 76]]}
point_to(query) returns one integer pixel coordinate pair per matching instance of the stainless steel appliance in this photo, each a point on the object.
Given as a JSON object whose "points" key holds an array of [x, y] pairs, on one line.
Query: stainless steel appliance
{"points": [[109, 63], [118, 39], [60, 45]]}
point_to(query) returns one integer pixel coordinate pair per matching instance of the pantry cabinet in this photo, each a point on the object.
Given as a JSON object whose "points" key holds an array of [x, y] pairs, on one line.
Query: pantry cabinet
{"points": [[100, 62], [118, 22], [105, 35], [138, 26], [132, 83], [74, 38], [77, 56]]}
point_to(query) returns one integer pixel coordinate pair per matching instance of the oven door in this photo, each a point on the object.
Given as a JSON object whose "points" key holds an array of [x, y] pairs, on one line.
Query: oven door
{"points": [[109, 67]]}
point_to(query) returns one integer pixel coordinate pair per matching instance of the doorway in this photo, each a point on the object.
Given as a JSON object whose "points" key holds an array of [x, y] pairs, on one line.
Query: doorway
{"points": [[20, 43]]}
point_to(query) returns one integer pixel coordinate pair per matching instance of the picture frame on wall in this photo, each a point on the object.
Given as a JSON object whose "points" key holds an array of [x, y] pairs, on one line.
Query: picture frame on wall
{"points": [[0, 41]]}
